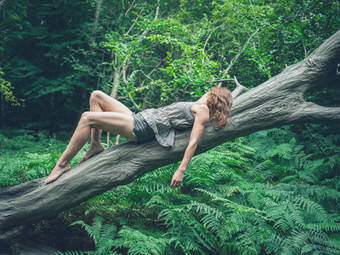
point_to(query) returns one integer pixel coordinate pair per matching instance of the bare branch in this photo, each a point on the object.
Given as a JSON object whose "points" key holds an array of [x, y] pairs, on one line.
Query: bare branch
{"points": [[141, 38], [124, 72], [234, 59], [135, 22], [254, 47], [134, 102], [240, 89], [147, 76], [157, 10], [206, 41], [126, 12], [95, 22], [116, 80], [117, 139], [316, 141], [160, 63]]}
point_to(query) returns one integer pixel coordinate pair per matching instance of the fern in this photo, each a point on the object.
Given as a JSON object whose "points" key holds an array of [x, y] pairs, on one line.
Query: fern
{"points": [[138, 243], [102, 235], [265, 197]]}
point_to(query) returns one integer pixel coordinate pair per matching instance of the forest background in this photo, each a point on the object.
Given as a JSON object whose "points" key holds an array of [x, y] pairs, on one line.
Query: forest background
{"points": [[273, 192]]}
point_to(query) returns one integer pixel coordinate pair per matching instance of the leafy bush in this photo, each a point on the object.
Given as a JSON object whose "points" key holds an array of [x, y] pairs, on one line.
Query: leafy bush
{"points": [[250, 196], [26, 155]]}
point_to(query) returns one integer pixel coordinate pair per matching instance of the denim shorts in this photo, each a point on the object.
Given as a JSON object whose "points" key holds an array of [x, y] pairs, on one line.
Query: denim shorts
{"points": [[141, 129]]}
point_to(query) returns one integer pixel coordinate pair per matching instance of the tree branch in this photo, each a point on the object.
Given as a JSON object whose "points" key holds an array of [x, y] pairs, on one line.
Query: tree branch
{"points": [[239, 90], [126, 12], [315, 141], [206, 41], [276, 102], [234, 59], [160, 63], [125, 63], [313, 113], [135, 22], [134, 102]]}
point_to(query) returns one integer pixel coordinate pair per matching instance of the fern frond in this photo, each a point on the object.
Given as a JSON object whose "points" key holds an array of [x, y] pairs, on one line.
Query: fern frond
{"points": [[204, 208], [312, 208], [275, 243], [326, 226], [139, 243], [102, 235], [157, 200]]}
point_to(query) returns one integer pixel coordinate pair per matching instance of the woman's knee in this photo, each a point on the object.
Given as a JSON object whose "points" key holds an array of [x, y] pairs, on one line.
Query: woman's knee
{"points": [[96, 96], [85, 118]]}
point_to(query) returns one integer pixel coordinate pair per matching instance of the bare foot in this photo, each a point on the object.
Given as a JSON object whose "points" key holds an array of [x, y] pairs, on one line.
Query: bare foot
{"points": [[56, 172], [93, 151]]}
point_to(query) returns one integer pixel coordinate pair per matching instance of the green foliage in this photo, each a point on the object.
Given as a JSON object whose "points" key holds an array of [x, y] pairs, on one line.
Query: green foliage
{"points": [[273, 192], [6, 89], [25, 155], [102, 235], [139, 243], [243, 197], [56, 52]]}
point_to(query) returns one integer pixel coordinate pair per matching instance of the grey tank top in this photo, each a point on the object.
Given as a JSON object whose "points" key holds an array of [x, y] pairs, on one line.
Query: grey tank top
{"points": [[165, 120]]}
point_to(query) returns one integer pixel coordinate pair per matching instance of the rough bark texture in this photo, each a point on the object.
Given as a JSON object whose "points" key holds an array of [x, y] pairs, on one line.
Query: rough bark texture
{"points": [[279, 101]]}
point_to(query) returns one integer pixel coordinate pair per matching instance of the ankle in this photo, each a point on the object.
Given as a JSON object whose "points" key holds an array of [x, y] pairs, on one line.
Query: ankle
{"points": [[96, 145], [62, 164]]}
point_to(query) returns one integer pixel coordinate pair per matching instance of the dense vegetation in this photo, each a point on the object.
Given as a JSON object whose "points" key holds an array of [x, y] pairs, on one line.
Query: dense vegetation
{"points": [[274, 192]]}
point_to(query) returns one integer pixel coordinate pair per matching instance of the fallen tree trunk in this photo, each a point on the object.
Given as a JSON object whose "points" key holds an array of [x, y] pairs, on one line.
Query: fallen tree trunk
{"points": [[278, 101]]}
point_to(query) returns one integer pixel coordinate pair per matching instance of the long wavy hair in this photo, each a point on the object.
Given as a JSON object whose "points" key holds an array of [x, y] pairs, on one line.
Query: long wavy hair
{"points": [[219, 101]]}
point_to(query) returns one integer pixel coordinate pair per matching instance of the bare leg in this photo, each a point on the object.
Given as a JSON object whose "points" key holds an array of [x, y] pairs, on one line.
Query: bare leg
{"points": [[77, 141], [113, 122], [100, 102]]}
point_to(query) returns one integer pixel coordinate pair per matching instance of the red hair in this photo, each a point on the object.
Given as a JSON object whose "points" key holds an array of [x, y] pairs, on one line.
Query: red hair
{"points": [[219, 101]]}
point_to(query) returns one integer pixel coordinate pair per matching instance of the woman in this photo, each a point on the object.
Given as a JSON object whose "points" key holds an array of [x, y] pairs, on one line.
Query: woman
{"points": [[114, 117]]}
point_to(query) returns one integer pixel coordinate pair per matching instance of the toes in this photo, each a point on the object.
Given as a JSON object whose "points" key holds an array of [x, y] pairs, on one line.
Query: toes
{"points": [[83, 159]]}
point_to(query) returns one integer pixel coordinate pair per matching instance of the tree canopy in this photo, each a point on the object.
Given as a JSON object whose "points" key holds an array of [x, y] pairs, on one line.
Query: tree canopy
{"points": [[271, 192], [149, 53]]}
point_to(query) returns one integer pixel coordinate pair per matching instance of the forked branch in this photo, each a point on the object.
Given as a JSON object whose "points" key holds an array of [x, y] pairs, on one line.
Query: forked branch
{"points": [[278, 101]]}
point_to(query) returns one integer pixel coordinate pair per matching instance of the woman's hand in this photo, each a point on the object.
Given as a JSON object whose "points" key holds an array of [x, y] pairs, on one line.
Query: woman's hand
{"points": [[201, 113], [177, 179]]}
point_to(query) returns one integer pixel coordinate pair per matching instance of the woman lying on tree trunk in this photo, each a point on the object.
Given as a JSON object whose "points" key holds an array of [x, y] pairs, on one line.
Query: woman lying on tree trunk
{"points": [[112, 116]]}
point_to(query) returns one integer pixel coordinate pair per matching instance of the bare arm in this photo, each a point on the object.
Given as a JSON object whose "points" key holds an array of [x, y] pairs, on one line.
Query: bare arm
{"points": [[201, 117]]}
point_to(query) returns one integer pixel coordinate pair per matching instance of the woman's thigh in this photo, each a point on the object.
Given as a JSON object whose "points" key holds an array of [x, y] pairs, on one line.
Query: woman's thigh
{"points": [[110, 104], [113, 122]]}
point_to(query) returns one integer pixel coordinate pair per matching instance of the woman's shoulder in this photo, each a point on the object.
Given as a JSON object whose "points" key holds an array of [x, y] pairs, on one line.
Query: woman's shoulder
{"points": [[194, 106], [199, 106], [201, 110]]}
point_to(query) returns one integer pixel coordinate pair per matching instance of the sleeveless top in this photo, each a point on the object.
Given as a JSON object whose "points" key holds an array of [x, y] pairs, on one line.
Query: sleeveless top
{"points": [[163, 121]]}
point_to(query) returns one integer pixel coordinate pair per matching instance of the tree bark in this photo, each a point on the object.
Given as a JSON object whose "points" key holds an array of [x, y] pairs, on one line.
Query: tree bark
{"points": [[278, 101]]}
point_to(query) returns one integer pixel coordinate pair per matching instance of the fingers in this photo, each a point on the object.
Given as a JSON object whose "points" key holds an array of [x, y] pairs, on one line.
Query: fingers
{"points": [[175, 184]]}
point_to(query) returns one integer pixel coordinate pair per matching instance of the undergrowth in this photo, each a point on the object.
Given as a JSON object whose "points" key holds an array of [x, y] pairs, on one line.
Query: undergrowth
{"points": [[269, 193], [25, 155]]}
